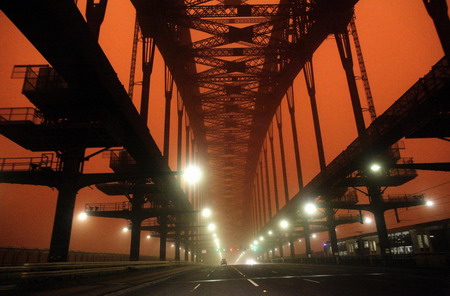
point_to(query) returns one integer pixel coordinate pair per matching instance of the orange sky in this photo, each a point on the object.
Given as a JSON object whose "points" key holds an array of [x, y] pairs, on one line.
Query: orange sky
{"points": [[399, 45]]}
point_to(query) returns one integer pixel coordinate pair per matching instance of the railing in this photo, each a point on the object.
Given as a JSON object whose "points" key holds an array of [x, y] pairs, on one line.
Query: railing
{"points": [[38, 77], [403, 198], [348, 197], [121, 160], [20, 256], [21, 114], [46, 162], [116, 206]]}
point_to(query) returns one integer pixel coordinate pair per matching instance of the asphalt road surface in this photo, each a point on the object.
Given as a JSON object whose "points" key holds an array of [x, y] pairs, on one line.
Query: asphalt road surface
{"points": [[295, 279]]}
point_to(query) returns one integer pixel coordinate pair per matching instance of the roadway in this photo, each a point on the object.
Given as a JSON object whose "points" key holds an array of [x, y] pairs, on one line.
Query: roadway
{"points": [[265, 279], [294, 279]]}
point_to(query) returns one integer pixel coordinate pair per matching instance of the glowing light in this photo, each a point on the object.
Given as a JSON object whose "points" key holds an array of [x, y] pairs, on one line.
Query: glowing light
{"points": [[314, 235], [192, 174], [299, 240], [172, 245], [212, 227], [255, 242], [429, 203], [206, 213], [250, 262], [284, 224], [82, 216], [261, 238], [214, 235], [269, 232], [125, 229], [375, 167], [310, 208], [367, 220], [148, 236]]}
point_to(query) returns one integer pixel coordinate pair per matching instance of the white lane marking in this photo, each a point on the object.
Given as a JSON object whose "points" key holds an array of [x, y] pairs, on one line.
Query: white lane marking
{"points": [[195, 288], [253, 283], [312, 281], [273, 271], [239, 271]]}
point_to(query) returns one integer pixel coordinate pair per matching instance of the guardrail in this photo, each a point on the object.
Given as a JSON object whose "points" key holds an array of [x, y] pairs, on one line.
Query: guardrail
{"points": [[25, 114], [14, 276], [45, 162]]}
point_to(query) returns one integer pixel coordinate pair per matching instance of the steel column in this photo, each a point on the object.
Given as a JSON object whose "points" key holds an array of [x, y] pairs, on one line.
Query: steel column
{"points": [[308, 71], [168, 82], [262, 191], [148, 54], [67, 191], [438, 11], [274, 169], [95, 13], [283, 157], [291, 106], [378, 212], [345, 53], [266, 165]]}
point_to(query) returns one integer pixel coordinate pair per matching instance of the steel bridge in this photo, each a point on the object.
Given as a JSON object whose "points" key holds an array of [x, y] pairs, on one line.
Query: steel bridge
{"points": [[232, 63]]}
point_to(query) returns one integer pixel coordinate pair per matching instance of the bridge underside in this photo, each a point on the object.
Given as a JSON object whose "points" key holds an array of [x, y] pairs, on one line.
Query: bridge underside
{"points": [[232, 64]]}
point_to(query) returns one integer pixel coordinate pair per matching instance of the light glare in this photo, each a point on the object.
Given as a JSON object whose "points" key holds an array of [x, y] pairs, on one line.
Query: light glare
{"points": [[192, 174], [206, 213], [310, 208], [429, 203], [284, 224], [212, 227], [82, 216], [375, 167]]}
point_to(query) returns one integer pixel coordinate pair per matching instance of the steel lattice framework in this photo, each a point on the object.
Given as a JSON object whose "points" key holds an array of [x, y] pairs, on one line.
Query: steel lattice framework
{"points": [[233, 64]]}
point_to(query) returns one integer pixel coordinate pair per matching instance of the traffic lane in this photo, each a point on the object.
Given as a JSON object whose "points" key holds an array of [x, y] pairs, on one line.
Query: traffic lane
{"points": [[220, 281], [332, 280]]}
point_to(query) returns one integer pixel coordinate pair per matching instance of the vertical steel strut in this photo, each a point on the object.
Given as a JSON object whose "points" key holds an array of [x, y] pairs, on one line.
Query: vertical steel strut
{"points": [[274, 170], [168, 83], [266, 166], [283, 157]]}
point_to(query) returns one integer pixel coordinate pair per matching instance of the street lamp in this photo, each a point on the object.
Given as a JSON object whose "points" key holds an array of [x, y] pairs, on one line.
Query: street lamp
{"points": [[125, 229], [261, 238], [375, 167], [206, 213], [367, 220], [269, 232], [284, 224], [212, 227], [192, 174], [429, 203], [310, 208], [82, 216]]}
